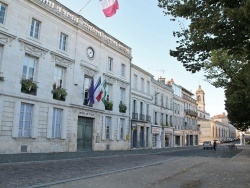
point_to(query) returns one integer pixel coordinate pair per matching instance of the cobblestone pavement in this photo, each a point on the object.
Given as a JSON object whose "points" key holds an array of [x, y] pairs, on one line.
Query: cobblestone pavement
{"points": [[39, 173]]}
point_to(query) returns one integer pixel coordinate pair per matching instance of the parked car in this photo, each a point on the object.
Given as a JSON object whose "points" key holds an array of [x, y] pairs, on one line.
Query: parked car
{"points": [[207, 145]]}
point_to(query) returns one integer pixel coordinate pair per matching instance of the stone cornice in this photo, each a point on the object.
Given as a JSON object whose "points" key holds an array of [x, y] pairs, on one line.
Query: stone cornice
{"points": [[32, 48], [59, 10], [6, 38], [61, 60]]}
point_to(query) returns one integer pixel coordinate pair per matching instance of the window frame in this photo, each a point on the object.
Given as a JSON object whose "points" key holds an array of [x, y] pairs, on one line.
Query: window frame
{"points": [[123, 68], [2, 19], [108, 124], [27, 63], [55, 133], [32, 31], [63, 41], [110, 64], [22, 125]]}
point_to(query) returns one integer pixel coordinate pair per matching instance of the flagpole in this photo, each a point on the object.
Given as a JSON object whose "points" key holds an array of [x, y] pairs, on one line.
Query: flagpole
{"points": [[83, 7]]}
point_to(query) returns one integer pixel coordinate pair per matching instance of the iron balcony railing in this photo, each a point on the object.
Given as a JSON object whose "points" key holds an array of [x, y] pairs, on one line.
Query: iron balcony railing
{"points": [[142, 117], [135, 116]]}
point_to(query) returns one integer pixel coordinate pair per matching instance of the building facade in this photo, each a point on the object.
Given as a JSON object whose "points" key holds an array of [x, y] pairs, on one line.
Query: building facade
{"points": [[51, 63], [141, 116]]}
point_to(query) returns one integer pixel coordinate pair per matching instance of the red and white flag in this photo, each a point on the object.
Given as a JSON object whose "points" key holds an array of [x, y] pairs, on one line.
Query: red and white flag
{"points": [[109, 7], [98, 90]]}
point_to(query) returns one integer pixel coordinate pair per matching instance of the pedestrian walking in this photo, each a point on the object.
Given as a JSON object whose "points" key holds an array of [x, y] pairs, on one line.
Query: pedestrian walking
{"points": [[214, 145]]}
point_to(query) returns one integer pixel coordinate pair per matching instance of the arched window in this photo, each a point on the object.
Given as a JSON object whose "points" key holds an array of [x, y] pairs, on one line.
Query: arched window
{"points": [[198, 98]]}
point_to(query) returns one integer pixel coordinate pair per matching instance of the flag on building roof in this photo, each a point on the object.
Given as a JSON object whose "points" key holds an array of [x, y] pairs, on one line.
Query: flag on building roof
{"points": [[92, 92], [109, 7], [98, 90]]}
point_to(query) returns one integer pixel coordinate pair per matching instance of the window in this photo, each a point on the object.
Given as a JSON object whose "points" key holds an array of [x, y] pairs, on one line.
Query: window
{"points": [[166, 119], [87, 82], [134, 106], [161, 118], [25, 120], [107, 127], [110, 64], [171, 103], [167, 102], [122, 97], [56, 123], [147, 109], [123, 70], [108, 92], [58, 76], [162, 100], [156, 118], [135, 81], [2, 12], [156, 98], [29, 67], [34, 30], [63, 42], [148, 87], [142, 84], [122, 124]]}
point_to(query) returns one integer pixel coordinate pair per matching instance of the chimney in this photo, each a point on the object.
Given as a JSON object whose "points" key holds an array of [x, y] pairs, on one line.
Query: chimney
{"points": [[161, 79]]}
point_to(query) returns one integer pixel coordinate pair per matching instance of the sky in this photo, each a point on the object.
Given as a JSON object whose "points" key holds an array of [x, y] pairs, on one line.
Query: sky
{"points": [[144, 28]]}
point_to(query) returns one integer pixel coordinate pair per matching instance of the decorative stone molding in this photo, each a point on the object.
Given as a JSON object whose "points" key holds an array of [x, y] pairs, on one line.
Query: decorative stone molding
{"points": [[6, 38], [61, 60], [122, 83], [32, 49], [88, 70], [77, 20], [109, 79]]}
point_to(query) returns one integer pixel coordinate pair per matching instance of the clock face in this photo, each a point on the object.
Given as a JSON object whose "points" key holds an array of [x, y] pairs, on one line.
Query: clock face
{"points": [[90, 52]]}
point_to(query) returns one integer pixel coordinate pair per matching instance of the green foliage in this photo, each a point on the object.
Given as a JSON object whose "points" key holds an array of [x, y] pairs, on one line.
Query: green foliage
{"points": [[214, 25], [28, 86], [122, 108], [108, 105], [238, 99], [59, 93]]}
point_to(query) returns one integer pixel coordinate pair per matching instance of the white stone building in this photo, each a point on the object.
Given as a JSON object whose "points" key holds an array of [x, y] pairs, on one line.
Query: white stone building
{"points": [[141, 117], [46, 47], [162, 109], [190, 118]]}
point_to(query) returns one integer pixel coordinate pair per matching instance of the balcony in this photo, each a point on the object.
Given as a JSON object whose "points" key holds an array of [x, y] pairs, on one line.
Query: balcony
{"points": [[148, 118], [134, 116], [142, 117], [191, 113]]}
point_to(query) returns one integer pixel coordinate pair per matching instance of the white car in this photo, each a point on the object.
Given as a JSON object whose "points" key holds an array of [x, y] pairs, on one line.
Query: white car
{"points": [[207, 145]]}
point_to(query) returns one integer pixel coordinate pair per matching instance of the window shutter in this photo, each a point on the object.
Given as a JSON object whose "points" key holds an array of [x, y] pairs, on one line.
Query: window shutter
{"points": [[118, 129], [1, 108], [124, 130], [16, 119], [49, 125], [112, 128], [35, 116], [103, 128], [64, 124]]}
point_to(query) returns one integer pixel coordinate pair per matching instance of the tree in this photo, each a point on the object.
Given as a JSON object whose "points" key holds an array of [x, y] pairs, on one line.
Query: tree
{"points": [[214, 25], [217, 41], [238, 99]]}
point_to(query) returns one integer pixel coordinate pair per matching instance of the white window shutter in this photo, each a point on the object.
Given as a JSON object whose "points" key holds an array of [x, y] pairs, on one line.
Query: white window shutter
{"points": [[16, 119], [103, 128], [1, 110], [35, 120], [118, 129], [49, 125], [112, 129], [64, 124], [124, 130]]}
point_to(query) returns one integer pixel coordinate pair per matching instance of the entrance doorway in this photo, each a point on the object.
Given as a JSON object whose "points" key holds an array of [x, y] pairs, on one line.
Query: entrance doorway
{"points": [[84, 133]]}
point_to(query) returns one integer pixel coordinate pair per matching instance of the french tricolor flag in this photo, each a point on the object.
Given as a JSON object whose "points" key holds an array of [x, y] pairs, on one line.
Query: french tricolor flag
{"points": [[98, 89], [109, 7]]}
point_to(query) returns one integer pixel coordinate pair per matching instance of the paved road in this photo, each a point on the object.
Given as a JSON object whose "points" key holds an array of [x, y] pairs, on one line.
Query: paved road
{"points": [[158, 168]]}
